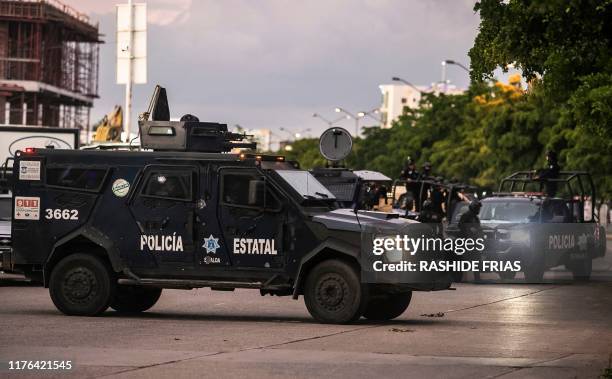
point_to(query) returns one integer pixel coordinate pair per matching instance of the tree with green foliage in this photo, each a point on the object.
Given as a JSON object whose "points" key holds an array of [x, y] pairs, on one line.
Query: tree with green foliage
{"points": [[564, 48]]}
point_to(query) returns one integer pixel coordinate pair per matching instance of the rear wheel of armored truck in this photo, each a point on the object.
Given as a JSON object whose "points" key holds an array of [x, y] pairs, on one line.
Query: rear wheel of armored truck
{"points": [[333, 292], [387, 306], [135, 299], [81, 285]]}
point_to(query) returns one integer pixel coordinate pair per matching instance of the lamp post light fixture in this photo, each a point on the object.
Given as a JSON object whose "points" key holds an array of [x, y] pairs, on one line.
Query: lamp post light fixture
{"points": [[295, 135], [398, 79], [330, 123], [349, 115], [371, 114], [450, 61], [302, 132]]}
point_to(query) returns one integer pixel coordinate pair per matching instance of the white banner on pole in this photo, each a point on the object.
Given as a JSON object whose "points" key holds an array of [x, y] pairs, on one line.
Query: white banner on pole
{"points": [[138, 51]]}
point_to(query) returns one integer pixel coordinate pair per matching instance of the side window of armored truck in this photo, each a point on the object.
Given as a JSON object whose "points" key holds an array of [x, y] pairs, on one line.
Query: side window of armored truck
{"points": [[169, 185], [78, 178], [247, 189]]}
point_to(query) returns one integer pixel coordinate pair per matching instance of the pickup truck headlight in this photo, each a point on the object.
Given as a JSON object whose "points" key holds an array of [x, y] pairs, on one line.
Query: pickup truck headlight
{"points": [[520, 236], [391, 255], [394, 256]]}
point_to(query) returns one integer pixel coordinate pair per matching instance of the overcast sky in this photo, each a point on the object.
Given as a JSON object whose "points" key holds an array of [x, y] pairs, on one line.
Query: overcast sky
{"points": [[272, 63]]}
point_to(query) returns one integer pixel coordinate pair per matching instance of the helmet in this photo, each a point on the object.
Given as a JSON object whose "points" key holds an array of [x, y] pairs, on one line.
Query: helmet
{"points": [[427, 166], [189, 117], [409, 161], [427, 204], [475, 206]]}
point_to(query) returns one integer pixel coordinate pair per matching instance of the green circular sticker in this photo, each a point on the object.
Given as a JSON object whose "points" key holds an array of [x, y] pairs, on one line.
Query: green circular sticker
{"points": [[121, 187]]}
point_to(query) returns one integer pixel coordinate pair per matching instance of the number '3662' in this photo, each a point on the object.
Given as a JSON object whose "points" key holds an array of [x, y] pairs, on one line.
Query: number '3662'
{"points": [[61, 214]]}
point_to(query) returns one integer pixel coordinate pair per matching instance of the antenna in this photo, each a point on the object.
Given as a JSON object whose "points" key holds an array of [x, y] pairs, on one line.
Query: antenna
{"points": [[335, 144]]}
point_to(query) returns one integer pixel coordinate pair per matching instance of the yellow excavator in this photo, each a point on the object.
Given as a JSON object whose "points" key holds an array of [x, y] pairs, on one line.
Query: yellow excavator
{"points": [[109, 128]]}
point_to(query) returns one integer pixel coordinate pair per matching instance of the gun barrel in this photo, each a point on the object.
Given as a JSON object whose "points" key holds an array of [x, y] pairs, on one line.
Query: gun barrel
{"points": [[241, 145]]}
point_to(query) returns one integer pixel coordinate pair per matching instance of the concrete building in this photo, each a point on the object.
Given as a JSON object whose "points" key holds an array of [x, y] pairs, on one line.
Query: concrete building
{"points": [[48, 64], [263, 137], [397, 97]]}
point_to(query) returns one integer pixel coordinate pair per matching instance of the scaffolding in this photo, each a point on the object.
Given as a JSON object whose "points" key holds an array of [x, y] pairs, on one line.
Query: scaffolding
{"points": [[48, 64]]}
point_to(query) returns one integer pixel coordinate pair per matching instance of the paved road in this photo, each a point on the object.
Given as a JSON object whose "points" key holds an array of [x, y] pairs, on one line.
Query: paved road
{"points": [[509, 330]]}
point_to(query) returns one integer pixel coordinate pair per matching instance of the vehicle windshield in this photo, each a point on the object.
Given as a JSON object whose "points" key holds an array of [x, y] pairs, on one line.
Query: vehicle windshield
{"points": [[510, 211], [305, 184], [5, 208]]}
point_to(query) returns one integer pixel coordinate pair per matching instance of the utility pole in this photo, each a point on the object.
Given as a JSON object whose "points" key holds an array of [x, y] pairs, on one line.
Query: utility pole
{"points": [[444, 75], [131, 53], [128, 84]]}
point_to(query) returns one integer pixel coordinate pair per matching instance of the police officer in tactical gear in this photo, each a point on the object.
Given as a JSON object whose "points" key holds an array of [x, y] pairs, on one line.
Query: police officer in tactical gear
{"points": [[469, 227], [426, 171], [430, 215], [551, 171], [413, 188], [469, 223], [409, 171]]}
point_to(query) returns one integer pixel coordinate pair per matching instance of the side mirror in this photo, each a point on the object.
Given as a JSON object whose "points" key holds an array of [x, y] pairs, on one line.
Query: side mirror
{"points": [[257, 193]]}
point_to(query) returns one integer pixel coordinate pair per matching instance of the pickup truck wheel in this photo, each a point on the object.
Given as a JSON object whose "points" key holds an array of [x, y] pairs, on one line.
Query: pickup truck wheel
{"points": [[135, 299], [582, 270], [387, 306], [333, 293], [534, 270], [507, 275], [81, 285]]}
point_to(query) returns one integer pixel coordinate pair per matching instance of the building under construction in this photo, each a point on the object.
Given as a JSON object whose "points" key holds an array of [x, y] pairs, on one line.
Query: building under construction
{"points": [[48, 64]]}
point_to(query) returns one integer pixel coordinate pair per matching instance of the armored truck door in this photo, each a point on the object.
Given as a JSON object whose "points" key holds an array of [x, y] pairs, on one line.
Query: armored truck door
{"points": [[164, 208], [251, 218]]}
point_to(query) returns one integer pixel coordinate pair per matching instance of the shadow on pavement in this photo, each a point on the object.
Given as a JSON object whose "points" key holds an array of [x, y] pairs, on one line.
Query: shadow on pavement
{"points": [[175, 316]]}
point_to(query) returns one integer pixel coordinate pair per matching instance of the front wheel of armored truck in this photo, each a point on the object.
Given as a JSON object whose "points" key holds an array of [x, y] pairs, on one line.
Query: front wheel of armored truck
{"points": [[333, 293], [135, 299], [81, 285], [387, 306]]}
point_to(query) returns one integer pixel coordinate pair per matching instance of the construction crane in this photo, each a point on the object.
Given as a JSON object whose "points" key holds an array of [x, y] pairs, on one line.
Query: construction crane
{"points": [[109, 128]]}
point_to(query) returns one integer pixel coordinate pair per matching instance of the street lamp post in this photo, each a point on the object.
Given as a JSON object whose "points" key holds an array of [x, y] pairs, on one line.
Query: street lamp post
{"points": [[350, 115], [450, 61], [330, 123]]}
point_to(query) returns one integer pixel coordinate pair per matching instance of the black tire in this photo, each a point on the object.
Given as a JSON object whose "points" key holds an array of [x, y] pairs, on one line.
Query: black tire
{"points": [[333, 293], [507, 275], [457, 276], [534, 270], [534, 275], [81, 285], [387, 306], [581, 270], [135, 299]]}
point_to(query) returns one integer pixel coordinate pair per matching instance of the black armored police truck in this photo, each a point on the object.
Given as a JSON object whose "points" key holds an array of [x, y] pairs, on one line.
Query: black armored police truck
{"points": [[113, 228]]}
